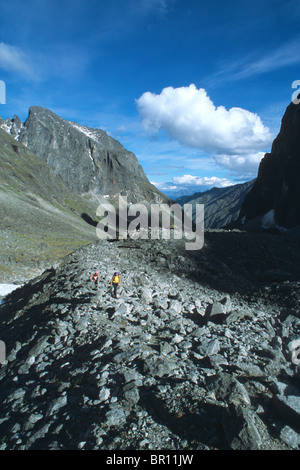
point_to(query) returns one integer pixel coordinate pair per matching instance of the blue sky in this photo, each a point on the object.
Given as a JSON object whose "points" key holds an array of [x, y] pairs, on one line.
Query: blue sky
{"points": [[195, 88]]}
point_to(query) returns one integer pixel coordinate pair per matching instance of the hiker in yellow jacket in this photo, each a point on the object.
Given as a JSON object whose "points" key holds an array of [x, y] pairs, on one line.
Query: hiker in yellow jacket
{"points": [[115, 282]]}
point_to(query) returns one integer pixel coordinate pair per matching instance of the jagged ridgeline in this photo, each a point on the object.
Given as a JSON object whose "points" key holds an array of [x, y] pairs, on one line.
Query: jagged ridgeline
{"points": [[88, 160], [54, 174]]}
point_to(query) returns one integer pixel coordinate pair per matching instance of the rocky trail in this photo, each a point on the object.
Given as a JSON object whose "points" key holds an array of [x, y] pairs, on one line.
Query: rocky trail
{"points": [[172, 363]]}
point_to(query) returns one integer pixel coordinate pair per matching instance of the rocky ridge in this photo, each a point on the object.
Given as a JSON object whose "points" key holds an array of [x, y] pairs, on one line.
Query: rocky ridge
{"points": [[88, 160], [173, 363]]}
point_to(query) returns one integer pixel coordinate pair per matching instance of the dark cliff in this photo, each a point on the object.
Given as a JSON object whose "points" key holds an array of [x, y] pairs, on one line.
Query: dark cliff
{"points": [[277, 185]]}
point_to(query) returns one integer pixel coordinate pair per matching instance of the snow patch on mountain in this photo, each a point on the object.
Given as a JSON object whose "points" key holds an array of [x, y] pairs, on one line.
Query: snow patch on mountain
{"points": [[268, 221], [91, 133]]}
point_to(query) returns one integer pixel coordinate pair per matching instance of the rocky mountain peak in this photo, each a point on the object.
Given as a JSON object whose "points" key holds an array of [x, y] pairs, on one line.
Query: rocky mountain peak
{"points": [[88, 160], [12, 126]]}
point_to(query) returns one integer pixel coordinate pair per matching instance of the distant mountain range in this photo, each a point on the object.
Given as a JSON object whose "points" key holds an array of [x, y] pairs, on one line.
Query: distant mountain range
{"points": [[221, 205], [176, 194]]}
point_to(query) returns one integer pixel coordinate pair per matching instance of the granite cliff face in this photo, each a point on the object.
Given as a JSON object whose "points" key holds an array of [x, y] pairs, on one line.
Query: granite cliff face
{"points": [[276, 190], [89, 161]]}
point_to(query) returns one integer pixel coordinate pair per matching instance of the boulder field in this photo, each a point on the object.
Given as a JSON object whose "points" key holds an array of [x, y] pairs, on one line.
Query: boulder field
{"points": [[172, 363]]}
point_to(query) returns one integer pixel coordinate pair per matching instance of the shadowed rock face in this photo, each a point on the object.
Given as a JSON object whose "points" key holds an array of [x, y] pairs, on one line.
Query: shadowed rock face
{"points": [[277, 185], [88, 160]]}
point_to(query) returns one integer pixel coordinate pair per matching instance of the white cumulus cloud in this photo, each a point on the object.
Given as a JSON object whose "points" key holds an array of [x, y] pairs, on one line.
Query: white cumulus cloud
{"points": [[189, 184], [236, 137], [190, 180], [246, 164]]}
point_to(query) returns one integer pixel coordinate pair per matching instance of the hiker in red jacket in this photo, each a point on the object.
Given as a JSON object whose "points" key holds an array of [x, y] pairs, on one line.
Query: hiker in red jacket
{"points": [[95, 277]]}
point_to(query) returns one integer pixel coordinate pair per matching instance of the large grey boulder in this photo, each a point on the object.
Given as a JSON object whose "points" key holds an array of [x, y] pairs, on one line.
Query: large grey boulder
{"points": [[240, 428]]}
